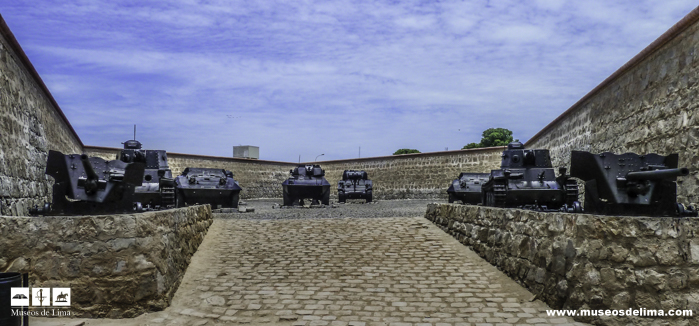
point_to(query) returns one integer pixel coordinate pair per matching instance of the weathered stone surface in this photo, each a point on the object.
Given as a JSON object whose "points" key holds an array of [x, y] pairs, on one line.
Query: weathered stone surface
{"points": [[31, 125], [125, 265], [628, 262]]}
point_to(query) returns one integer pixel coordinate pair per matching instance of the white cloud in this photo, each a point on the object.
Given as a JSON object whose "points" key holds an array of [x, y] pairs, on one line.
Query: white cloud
{"points": [[327, 77]]}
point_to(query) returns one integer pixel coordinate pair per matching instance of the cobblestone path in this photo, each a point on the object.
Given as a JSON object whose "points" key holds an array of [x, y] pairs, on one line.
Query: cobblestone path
{"points": [[344, 272]]}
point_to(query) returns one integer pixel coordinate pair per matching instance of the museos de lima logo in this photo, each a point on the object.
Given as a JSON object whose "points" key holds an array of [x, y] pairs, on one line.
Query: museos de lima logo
{"points": [[40, 297]]}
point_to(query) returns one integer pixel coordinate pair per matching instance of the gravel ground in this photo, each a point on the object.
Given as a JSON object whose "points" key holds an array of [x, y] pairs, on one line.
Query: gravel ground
{"points": [[269, 209]]}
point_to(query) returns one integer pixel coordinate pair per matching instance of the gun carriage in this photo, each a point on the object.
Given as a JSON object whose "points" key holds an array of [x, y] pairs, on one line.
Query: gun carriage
{"points": [[630, 184], [91, 185]]}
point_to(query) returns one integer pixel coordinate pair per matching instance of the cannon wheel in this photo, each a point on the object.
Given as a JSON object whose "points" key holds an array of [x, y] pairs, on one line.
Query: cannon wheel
{"points": [[235, 199]]}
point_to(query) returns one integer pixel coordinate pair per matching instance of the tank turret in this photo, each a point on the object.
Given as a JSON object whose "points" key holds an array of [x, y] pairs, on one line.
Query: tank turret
{"points": [[158, 187]]}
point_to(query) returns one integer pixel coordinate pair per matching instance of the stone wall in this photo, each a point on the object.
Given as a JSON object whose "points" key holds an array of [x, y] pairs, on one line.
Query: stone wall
{"points": [[411, 176], [415, 176], [581, 261], [648, 106], [116, 265], [31, 123]]}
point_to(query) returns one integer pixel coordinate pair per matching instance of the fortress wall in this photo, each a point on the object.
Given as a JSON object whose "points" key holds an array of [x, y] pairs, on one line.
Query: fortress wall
{"points": [[647, 106], [416, 176], [583, 261], [31, 123], [117, 266]]}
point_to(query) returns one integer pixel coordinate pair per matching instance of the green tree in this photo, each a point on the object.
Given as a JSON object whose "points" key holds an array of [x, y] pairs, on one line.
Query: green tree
{"points": [[472, 145], [493, 137], [406, 151]]}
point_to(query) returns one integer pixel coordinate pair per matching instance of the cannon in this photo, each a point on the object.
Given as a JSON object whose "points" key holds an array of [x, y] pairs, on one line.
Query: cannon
{"points": [[157, 190], [91, 185], [526, 179], [630, 184], [467, 188], [215, 187], [355, 185], [306, 182]]}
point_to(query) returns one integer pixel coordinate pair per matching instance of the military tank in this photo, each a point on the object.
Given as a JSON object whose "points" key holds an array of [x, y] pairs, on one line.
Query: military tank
{"points": [[91, 185], [354, 185], [630, 184], [467, 188], [306, 182], [215, 187], [157, 190], [526, 179]]}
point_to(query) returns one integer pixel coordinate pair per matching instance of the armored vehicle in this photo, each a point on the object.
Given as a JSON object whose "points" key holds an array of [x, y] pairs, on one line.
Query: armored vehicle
{"points": [[158, 188], [354, 185], [467, 187], [306, 181], [207, 186], [91, 185], [526, 179], [630, 184]]}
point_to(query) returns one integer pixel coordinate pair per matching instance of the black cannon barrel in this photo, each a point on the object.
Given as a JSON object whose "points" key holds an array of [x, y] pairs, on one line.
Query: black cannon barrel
{"points": [[657, 174], [89, 170], [92, 177]]}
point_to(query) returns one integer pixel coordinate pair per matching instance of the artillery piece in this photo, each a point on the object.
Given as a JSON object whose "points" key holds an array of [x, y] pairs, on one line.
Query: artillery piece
{"points": [[630, 184], [306, 181], [526, 179], [158, 187], [91, 185], [467, 187], [207, 186], [354, 185]]}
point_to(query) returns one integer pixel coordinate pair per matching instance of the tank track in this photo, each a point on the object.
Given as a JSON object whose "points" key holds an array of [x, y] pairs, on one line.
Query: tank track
{"points": [[167, 196], [571, 191], [499, 193]]}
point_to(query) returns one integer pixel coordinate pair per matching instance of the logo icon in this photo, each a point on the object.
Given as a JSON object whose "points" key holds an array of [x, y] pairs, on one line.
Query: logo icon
{"points": [[61, 297], [19, 297], [40, 297]]}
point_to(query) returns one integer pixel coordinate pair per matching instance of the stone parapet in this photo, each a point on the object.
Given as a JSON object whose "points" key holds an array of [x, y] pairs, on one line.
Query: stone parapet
{"points": [[582, 261], [116, 265]]}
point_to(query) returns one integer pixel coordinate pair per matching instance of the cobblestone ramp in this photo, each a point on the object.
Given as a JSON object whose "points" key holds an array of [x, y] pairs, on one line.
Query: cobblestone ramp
{"points": [[381, 271]]}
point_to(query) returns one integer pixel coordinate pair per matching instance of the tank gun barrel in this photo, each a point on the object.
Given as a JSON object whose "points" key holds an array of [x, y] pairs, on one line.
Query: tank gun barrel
{"points": [[657, 174]]}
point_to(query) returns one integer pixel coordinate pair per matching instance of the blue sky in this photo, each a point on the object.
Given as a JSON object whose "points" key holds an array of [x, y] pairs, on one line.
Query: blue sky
{"points": [[325, 77]]}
